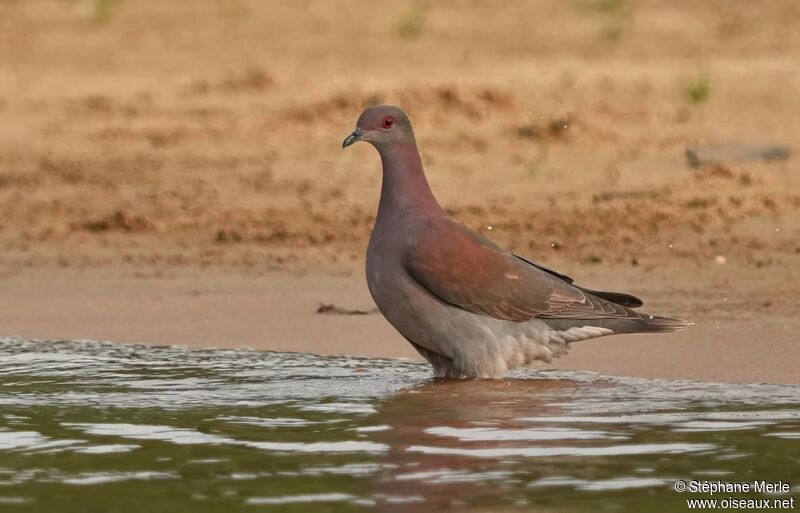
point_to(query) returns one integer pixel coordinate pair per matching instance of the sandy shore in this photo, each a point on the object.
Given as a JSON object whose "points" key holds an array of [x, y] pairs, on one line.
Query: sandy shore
{"points": [[172, 172], [736, 339]]}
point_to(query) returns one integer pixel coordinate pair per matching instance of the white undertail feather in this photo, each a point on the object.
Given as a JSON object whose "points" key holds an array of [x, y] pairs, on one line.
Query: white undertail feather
{"points": [[557, 343], [578, 333], [512, 350]]}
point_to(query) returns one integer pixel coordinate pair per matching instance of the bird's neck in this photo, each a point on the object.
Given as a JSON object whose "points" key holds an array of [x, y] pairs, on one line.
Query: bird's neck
{"points": [[405, 189]]}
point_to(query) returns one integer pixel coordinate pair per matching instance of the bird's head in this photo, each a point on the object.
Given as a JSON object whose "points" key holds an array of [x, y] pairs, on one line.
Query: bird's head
{"points": [[381, 126]]}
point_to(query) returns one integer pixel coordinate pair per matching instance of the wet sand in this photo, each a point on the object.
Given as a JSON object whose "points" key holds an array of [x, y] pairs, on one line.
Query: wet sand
{"points": [[738, 338]]}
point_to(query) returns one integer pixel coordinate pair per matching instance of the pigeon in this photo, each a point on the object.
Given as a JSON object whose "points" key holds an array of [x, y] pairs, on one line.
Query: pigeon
{"points": [[469, 307]]}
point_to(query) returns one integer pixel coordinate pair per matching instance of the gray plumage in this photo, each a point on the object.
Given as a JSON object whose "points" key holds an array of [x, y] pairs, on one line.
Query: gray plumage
{"points": [[469, 307]]}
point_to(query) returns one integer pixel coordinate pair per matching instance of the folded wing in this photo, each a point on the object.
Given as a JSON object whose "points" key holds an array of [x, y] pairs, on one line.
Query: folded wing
{"points": [[464, 269]]}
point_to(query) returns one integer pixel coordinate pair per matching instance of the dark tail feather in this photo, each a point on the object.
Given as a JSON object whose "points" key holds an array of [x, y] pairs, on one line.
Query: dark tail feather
{"points": [[653, 323], [615, 297], [643, 324]]}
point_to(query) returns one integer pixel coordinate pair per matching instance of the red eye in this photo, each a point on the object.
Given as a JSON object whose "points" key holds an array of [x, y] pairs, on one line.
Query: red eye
{"points": [[388, 122]]}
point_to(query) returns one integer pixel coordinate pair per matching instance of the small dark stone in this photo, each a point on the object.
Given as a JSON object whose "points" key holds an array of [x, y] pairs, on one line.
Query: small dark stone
{"points": [[734, 152]]}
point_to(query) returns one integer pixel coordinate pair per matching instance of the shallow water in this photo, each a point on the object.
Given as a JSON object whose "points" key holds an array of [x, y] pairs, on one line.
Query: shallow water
{"points": [[87, 426]]}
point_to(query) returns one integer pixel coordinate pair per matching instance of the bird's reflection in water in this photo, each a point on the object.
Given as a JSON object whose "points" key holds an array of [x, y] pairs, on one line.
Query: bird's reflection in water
{"points": [[453, 443]]}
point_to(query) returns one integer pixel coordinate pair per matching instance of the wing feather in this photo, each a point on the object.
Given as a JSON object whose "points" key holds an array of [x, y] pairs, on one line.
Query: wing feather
{"points": [[462, 268]]}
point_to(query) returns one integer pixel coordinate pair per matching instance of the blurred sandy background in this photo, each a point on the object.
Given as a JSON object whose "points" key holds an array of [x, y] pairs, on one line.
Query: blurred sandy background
{"points": [[172, 171]]}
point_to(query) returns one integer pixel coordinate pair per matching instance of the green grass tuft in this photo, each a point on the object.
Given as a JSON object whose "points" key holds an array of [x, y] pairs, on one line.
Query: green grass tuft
{"points": [[100, 10], [697, 89], [412, 24], [610, 7], [615, 16]]}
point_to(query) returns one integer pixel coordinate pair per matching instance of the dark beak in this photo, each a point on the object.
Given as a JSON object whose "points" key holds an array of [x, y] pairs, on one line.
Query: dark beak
{"points": [[353, 138]]}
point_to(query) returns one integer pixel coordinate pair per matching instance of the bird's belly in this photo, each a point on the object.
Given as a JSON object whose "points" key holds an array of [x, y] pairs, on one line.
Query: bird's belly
{"points": [[479, 346]]}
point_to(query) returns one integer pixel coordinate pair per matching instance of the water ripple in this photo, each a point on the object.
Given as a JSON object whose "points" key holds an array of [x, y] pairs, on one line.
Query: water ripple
{"points": [[219, 430]]}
